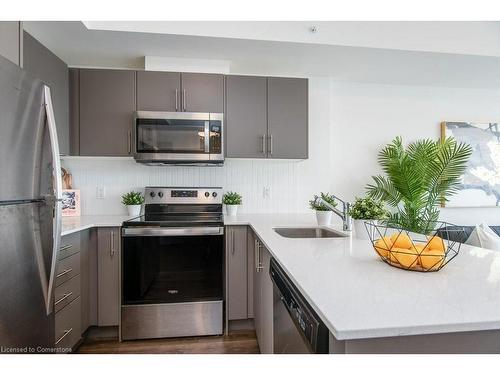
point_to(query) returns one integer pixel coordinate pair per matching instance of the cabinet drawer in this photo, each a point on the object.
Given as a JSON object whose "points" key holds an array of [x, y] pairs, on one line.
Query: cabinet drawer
{"points": [[67, 325], [70, 244], [67, 292], [67, 268]]}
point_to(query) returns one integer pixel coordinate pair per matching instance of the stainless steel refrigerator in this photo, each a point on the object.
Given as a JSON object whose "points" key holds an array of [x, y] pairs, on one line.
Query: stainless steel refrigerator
{"points": [[30, 211]]}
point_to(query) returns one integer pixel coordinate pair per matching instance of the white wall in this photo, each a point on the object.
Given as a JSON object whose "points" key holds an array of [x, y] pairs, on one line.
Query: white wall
{"points": [[292, 183], [365, 117]]}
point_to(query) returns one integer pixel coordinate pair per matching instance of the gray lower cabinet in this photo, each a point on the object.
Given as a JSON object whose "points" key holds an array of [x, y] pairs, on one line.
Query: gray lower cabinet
{"points": [[108, 276], [287, 111], [106, 108], [88, 272], [11, 41], [251, 238], [67, 294], [236, 261], [263, 298], [249, 286], [246, 117], [40, 62], [158, 91], [202, 92]]}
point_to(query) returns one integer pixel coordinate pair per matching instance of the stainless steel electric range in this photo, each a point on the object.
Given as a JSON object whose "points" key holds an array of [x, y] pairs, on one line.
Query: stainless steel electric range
{"points": [[172, 265]]}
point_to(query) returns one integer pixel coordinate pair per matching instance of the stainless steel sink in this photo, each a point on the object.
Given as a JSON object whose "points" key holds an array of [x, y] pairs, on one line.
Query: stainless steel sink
{"points": [[309, 233]]}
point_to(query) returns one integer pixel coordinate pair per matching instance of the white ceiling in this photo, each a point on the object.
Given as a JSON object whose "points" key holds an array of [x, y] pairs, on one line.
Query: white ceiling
{"points": [[464, 37], [392, 64]]}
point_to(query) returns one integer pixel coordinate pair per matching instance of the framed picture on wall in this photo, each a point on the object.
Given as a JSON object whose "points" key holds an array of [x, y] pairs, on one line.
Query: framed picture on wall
{"points": [[480, 184], [70, 202]]}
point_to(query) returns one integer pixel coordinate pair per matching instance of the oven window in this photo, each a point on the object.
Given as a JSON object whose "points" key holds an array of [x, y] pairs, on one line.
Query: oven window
{"points": [[170, 136], [172, 269]]}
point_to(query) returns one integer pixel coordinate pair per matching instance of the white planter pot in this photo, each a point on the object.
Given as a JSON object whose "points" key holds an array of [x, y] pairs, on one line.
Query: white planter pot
{"points": [[324, 217], [231, 209], [134, 209], [360, 229]]}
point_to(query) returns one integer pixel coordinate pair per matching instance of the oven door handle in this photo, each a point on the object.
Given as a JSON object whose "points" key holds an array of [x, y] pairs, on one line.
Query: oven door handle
{"points": [[170, 232]]}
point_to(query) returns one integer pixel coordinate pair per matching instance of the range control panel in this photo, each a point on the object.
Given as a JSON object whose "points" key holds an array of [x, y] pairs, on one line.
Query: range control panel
{"points": [[179, 195]]}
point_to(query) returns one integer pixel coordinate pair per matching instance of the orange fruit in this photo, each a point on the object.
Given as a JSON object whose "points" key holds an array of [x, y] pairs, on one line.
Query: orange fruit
{"points": [[401, 240], [382, 246], [436, 243], [419, 248], [432, 259], [406, 257]]}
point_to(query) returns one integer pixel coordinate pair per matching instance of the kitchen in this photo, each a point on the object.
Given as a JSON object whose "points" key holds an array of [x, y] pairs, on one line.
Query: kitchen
{"points": [[186, 181]]}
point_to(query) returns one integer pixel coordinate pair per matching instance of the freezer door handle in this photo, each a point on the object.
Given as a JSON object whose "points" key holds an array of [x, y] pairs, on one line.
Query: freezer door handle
{"points": [[56, 226]]}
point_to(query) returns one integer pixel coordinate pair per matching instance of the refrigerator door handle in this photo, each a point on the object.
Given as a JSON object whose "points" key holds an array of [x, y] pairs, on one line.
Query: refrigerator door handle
{"points": [[56, 165]]}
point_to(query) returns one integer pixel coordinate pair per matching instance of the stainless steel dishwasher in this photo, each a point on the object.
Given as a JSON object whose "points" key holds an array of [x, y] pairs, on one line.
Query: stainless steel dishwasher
{"points": [[297, 328]]}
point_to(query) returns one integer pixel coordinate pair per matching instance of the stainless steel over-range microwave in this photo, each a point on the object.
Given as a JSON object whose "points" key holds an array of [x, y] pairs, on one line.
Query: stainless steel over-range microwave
{"points": [[178, 137]]}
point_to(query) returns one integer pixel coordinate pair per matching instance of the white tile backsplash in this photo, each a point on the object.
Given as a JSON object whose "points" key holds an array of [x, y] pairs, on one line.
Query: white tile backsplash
{"points": [[248, 177]]}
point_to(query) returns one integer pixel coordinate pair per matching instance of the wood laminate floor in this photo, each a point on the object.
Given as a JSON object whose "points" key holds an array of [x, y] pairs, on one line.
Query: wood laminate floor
{"points": [[237, 342]]}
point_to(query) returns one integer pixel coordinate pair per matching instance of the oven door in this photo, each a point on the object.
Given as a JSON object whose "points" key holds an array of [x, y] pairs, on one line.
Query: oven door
{"points": [[177, 137], [172, 265]]}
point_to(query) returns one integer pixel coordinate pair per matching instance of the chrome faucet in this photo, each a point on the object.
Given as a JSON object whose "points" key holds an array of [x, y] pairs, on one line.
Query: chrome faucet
{"points": [[344, 214]]}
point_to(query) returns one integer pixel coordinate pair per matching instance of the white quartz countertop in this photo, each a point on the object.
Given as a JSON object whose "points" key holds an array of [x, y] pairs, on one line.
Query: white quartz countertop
{"points": [[77, 223], [358, 296]]}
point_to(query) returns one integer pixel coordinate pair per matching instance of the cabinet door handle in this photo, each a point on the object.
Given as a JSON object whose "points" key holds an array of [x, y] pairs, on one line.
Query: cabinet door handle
{"points": [[67, 295], [232, 242], [64, 272], [112, 244], [176, 99], [66, 247], [256, 255], [129, 142], [264, 144], [184, 99], [260, 259], [66, 333], [270, 144]]}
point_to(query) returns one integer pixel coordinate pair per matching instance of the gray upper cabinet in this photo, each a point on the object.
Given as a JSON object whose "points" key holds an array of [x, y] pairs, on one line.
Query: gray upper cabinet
{"points": [[74, 111], [246, 117], [202, 92], [40, 62], [107, 105], [158, 91], [108, 276], [287, 106], [11, 41]]}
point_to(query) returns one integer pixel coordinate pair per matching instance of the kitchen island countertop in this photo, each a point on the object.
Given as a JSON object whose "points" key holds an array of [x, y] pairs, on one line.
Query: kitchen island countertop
{"points": [[358, 296]]}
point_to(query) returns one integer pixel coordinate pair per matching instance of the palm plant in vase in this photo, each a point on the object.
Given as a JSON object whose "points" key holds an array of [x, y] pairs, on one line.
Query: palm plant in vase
{"points": [[418, 179], [323, 213], [366, 209]]}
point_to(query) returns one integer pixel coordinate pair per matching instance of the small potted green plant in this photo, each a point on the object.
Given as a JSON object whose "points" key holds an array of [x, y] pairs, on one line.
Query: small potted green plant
{"points": [[232, 200], [366, 209], [323, 213], [133, 200]]}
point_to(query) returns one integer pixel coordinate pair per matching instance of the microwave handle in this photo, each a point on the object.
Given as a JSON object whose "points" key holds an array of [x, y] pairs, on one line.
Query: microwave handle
{"points": [[207, 137]]}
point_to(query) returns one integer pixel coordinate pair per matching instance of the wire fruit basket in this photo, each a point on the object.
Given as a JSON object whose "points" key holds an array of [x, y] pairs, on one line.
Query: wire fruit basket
{"points": [[412, 251]]}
